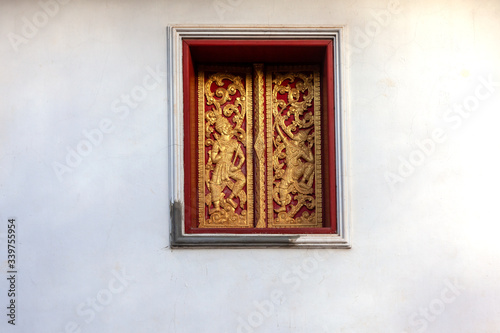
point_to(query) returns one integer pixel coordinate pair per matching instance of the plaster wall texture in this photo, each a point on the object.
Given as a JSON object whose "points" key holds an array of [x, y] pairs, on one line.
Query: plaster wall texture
{"points": [[84, 170]]}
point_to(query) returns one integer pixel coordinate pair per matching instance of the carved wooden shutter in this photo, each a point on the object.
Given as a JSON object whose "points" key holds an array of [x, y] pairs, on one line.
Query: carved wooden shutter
{"points": [[259, 147]]}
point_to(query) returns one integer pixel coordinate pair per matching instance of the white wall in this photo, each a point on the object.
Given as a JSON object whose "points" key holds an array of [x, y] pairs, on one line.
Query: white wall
{"points": [[425, 255]]}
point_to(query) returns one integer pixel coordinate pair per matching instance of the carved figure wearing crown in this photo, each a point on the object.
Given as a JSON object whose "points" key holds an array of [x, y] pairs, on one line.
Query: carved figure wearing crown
{"points": [[299, 172], [228, 159]]}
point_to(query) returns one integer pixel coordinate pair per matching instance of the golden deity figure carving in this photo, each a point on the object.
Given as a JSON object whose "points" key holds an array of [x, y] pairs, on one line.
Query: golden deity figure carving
{"points": [[224, 154], [294, 178], [298, 176], [225, 169]]}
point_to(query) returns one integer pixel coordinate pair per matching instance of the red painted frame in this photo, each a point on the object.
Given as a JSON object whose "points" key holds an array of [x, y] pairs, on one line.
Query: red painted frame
{"points": [[212, 52]]}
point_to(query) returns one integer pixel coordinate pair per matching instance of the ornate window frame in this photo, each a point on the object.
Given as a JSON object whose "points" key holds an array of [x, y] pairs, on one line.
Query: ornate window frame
{"points": [[176, 84]]}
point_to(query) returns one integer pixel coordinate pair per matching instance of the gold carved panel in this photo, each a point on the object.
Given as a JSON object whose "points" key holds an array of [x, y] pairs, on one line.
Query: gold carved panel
{"points": [[294, 147], [259, 147], [225, 154]]}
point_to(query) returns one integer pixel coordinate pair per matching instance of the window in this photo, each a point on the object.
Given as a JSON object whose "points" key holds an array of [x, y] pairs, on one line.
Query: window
{"points": [[262, 161]]}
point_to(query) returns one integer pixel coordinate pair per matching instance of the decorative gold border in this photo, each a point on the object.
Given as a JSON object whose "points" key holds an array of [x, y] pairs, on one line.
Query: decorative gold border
{"points": [[249, 148], [201, 143], [317, 142], [269, 144], [318, 148], [201, 146]]}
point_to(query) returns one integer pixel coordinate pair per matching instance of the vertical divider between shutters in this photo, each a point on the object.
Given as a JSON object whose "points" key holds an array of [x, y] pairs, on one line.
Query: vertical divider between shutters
{"points": [[260, 146]]}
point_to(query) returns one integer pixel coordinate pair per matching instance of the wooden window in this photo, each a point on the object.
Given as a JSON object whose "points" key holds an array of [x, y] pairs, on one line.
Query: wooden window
{"points": [[260, 155]]}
